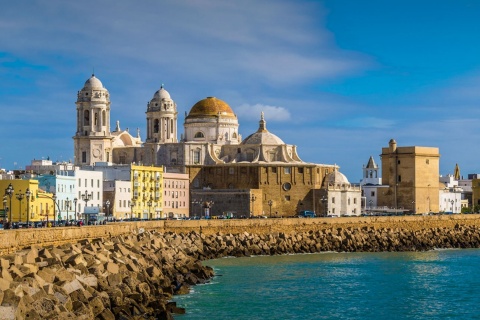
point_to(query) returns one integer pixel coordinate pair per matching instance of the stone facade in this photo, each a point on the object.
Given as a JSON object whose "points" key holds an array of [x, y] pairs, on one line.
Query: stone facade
{"points": [[411, 174]]}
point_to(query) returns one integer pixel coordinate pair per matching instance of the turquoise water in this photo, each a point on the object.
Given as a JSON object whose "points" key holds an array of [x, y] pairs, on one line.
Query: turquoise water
{"points": [[443, 284]]}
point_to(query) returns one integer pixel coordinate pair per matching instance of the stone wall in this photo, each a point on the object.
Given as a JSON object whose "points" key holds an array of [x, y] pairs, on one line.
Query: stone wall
{"points": [[13, 240]]}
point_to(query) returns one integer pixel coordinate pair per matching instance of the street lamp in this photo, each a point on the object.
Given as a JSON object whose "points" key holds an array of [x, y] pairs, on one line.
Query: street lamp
{"points": [[9, 192], [28, 194], [86, 197], [149, 204], [452, 202], [54, 198], [20, 197], [132, 204], [107, 203], [270, 202], [75, 203], [5, 209], [413, 207], [253, 205], [67, 206]]}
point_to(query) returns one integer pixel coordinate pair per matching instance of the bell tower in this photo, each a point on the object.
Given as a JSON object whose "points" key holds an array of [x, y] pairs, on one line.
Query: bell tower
{"points": [[92, 140], [161, 118]]}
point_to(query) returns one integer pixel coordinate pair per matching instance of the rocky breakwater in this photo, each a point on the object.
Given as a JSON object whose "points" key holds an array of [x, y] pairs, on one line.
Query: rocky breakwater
{"points": [[125, 277], [361, 239], [134, 276]]}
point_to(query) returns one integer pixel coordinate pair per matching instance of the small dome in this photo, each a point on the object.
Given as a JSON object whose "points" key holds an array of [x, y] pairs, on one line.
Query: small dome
{"points": [[210, 106], [93, 82], [263, 137], [161, 94], [336, 177]]}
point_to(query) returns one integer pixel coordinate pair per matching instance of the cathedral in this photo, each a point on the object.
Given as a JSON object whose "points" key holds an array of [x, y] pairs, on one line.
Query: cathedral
{"points": [[258, 176]]}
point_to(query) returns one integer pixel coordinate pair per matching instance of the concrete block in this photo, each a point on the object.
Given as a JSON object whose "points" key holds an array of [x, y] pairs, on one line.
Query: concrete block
{"points": [[7, 313], [73, 285], [88, 280], [112, 267], [4, 284]]}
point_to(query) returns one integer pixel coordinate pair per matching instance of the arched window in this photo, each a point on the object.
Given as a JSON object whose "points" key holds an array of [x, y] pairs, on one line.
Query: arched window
{"points": [[96, 119], [234, 135], [104, 118], [199, 135], [86, 117], [155, 126]]}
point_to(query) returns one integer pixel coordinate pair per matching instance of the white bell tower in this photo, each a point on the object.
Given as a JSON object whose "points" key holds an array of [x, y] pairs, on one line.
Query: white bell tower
{"points": [[161, 118], [92, 140]]}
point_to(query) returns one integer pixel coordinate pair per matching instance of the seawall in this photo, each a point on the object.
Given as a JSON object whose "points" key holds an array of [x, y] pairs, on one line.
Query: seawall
{"points": [[13, 240]]}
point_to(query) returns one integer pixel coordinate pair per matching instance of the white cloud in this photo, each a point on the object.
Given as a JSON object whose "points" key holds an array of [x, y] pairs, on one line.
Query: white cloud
{"points": [[272, 113]]}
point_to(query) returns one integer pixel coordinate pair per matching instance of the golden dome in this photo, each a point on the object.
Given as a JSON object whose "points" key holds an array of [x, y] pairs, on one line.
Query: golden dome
{"points": [[211, 106]]}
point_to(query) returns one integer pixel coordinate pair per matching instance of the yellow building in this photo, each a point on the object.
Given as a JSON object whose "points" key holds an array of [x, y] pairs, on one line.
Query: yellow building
{"points": [[38, 206], [147, 189], [411, 174]]}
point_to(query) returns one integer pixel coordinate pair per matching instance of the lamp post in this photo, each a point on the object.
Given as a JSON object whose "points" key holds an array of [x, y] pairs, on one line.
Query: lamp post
{"points": [[149, 204], [132, 204], [413, 207], [253, 205], [5, 209], [54, 198], [9, 192], [67, 206], [107, 203], [86, 197], [270, 202], [20, 197], [28, 193], [324, 201], [452, 202], [75, 203]]}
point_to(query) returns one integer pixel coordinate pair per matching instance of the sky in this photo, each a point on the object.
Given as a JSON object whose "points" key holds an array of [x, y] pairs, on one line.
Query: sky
{"points": [[336, 78]]}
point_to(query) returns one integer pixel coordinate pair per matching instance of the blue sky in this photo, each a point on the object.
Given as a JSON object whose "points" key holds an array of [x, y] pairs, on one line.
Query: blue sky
{"points": [[337, 78]]}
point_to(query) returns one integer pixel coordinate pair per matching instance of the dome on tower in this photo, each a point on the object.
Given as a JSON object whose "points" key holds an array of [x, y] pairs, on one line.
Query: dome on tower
{"points": [[210, 106], [93, 82], [161, 94]]}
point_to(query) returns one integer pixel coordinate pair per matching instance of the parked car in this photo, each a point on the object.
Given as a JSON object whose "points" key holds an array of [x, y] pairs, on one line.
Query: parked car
{"points": [[306, 214]]}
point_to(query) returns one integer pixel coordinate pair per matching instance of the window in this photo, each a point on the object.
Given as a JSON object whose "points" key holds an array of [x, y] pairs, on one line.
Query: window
{"points": [[86, 117], [333, 199], [427, 161], [398, 161], [287, 170], [287, 198], [155, 126], [231, 170], [287, 186], [300, 170], [199, 135], [103, 118], [399, 179], [84, 156], [196, 157], [274, 169], [372, 194]]}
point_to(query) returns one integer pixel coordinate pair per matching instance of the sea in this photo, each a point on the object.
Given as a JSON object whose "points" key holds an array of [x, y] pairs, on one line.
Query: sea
{"points": [[438, 284]]}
